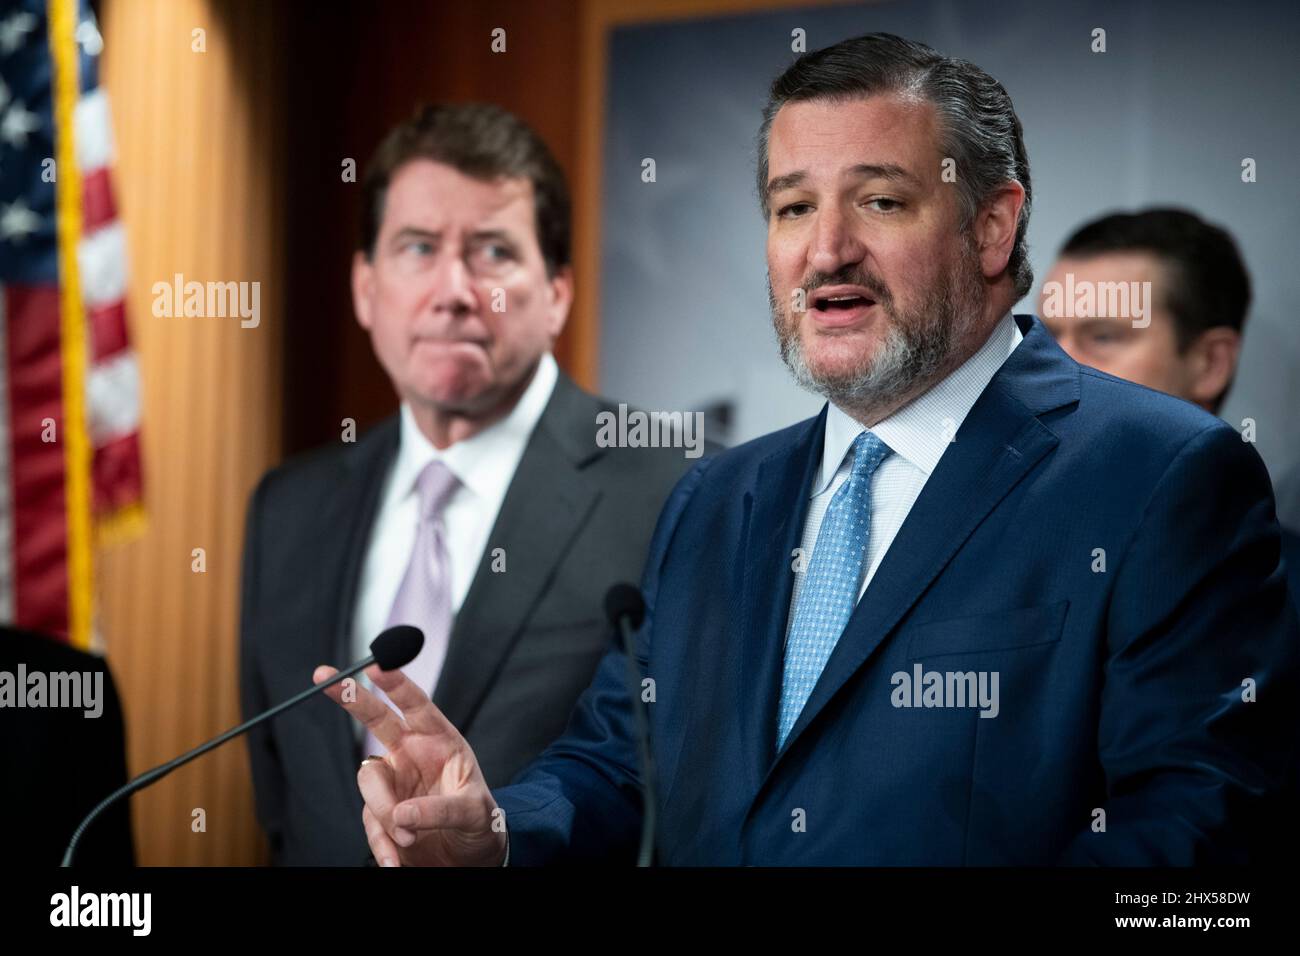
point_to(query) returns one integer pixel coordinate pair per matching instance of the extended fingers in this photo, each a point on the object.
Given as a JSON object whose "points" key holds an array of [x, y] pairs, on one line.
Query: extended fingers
{"points": [[420, 713], [377, 716]]}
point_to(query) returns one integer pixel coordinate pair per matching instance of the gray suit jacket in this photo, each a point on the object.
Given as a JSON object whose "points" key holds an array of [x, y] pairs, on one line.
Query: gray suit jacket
{"points": [[576, 519]]}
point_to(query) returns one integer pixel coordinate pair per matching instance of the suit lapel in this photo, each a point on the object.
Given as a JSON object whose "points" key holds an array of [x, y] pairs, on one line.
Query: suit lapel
{"points": [[547, 503], [777, 503], [1000, 441], [351, 512]]}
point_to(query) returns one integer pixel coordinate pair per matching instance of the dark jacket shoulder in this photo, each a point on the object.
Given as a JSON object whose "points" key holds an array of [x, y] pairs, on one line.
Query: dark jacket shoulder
{"points": [[320, 467]]}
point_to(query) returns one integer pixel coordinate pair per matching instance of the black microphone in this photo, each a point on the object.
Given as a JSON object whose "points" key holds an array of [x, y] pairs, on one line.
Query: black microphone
{"points": [[394, 648], [625, 608]]}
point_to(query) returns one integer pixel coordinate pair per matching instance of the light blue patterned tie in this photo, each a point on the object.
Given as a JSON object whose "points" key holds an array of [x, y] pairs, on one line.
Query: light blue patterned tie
{"points": [[830, 592]]}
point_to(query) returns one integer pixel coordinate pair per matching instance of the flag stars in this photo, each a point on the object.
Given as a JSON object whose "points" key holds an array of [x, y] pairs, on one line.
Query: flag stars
{"points": [[13, 29], [87, 35], [17, 222], [17, 123]]}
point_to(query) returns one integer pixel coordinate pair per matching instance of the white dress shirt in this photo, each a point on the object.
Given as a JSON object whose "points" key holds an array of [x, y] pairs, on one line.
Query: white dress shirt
{"points": [[484, 464], [919, 433]]}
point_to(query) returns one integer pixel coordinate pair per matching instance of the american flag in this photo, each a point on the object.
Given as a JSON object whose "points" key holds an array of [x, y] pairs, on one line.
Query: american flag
{"points": [[70, 470]]}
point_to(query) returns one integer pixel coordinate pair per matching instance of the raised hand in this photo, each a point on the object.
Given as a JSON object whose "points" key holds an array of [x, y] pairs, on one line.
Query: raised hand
{"points": [[426, 802]]}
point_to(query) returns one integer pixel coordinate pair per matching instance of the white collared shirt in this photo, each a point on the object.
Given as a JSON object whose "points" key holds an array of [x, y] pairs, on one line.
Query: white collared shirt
{"points": [[484, 464], [919, 433]]}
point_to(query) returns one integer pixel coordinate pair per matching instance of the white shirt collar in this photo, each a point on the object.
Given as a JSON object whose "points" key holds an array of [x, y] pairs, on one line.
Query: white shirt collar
{"points": [[920, 430], [484, 463]]}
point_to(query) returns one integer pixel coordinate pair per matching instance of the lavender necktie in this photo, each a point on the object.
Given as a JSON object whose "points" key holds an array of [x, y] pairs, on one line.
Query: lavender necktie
{"points": [[424, 599]]}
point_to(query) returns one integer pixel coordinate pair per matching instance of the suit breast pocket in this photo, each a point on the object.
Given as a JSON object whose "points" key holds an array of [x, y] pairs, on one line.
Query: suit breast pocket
{"points": [[981, 633]]}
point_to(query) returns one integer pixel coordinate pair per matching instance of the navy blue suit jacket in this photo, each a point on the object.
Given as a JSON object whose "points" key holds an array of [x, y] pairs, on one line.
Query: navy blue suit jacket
{"points": [[1155, 694]]}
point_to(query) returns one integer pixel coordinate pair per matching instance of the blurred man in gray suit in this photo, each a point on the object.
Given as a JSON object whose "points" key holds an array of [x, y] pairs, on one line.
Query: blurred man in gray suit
{"points": [[486, 512]]}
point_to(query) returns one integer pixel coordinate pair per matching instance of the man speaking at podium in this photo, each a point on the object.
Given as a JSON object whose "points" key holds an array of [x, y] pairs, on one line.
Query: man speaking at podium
{"points": [[990, 607]]}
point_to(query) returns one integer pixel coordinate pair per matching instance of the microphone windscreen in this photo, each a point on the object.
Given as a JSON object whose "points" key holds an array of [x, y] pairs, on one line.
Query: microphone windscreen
{"points": [[397, 646], [624, 599]]}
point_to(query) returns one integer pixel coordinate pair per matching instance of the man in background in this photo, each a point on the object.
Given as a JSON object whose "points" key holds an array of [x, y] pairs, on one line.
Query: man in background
{"points": [[484, 512], [1199, 295], [1188, 340]]}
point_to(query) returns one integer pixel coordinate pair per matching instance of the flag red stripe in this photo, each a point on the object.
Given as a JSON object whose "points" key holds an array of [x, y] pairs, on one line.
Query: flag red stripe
{"points": [[97, 195], [40, 521], [118, 481], [107, 330]]}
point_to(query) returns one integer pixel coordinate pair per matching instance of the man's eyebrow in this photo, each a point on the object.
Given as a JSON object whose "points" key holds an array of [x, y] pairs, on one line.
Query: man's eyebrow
{"points": [[788, 181], [415, 232], [885, 171], [891, 171], [498, 234]]}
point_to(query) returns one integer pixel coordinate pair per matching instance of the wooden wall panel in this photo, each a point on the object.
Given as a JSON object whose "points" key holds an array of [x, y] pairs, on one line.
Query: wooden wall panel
{"points": [[199, 177]]}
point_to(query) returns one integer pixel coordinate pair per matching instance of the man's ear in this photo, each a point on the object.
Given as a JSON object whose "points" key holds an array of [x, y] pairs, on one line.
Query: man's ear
{"points": [[561, 291], [1213, 357], [363, 278], [995, 227]]}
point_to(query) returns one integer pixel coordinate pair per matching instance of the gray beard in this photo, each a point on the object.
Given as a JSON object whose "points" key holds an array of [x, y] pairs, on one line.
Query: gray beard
{"points": [[917, 350]]}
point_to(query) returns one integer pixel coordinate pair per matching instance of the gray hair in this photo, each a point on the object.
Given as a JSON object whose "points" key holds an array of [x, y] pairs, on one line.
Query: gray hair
{"points": [[981, 131]]}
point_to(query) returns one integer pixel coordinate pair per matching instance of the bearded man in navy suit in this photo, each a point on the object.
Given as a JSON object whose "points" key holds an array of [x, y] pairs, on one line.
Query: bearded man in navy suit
{"points": [[989, 607]]}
